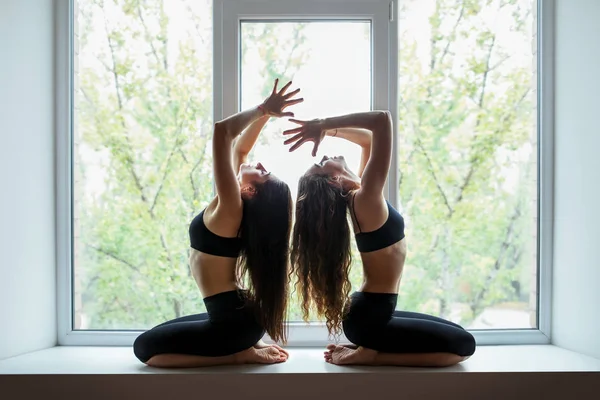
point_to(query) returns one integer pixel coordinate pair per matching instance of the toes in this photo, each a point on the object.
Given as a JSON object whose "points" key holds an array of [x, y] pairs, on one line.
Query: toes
{"points": [[282, 350]]}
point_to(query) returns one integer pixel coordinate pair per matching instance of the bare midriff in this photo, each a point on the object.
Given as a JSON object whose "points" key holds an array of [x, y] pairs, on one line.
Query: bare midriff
{"points": [[213, 274], [383, 268]]}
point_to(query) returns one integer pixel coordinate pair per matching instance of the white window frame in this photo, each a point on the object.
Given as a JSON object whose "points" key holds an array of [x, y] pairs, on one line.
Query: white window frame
{"points": [[382, 14]]}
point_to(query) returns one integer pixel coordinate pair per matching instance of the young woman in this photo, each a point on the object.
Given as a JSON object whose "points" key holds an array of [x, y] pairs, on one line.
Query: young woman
{"points": [[321, 253], [243, 233]]}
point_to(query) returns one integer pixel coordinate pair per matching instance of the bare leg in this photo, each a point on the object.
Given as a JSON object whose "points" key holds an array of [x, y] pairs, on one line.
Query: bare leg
{"points": [[342, 355], [267, 355]]}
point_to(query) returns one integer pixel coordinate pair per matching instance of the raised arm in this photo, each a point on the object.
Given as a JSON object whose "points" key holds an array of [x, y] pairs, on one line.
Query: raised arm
{"points": [[378, 122], [251, 123], [272, 107], [245, 142], [361, 137], [225, 131], [376, 169]]}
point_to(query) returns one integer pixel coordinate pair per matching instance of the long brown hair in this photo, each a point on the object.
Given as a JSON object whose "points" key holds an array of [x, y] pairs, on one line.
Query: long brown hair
{"points": [[264, 259], [321, 254]]}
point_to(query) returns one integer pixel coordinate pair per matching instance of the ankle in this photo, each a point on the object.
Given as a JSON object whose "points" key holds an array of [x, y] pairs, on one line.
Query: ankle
{"points": [[368, 355], [243, 357]]}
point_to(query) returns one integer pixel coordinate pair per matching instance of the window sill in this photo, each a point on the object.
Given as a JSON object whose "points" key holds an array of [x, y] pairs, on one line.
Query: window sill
{"points": [[65, 360], [494, 372]]}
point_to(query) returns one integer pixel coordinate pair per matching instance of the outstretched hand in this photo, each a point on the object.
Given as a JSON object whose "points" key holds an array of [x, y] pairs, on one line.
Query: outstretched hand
{"points": [[308, 131], [279, 101]]}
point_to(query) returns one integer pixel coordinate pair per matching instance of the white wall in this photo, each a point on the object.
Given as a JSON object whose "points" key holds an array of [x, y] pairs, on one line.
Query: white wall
{"points": [[27, 238], [576, 288]]}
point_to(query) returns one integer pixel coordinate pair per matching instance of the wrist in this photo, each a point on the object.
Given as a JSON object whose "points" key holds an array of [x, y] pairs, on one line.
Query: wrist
{"points": [[327, 125], [263, 110]]}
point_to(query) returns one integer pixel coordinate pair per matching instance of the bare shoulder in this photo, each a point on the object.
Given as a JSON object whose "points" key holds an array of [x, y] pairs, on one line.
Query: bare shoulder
{"points": [[370, 210], [221, 220]]}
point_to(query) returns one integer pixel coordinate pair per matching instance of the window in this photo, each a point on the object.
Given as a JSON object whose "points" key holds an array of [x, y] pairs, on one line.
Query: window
{"points": [[460, 78], [467, 160], [310, 53]]}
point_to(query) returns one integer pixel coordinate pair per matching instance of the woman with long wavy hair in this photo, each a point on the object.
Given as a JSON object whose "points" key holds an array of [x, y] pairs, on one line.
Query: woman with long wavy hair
{"points": [[321, 257], [231, 244]]}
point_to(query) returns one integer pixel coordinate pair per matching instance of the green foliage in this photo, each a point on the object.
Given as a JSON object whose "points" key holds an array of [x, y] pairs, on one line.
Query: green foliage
{"points": [[464, 119], [144, 111]]}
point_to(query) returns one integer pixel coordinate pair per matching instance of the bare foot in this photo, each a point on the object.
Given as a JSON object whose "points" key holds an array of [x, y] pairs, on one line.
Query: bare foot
{"points": [[327, 353], [267, 355], [345, 355], [262, 345]]}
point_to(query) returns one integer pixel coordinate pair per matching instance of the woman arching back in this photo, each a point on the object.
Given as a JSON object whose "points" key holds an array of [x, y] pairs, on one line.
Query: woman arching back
{"points": [[329, 193]]}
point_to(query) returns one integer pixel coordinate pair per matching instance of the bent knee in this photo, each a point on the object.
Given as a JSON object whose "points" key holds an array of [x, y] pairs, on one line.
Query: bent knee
{"points": [[141, 349], [467, 346]]}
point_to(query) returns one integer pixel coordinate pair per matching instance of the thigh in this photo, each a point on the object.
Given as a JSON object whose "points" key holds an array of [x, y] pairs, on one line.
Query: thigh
{"points": [[187, 318], [199, 338], [415, 335], [416, 315]]}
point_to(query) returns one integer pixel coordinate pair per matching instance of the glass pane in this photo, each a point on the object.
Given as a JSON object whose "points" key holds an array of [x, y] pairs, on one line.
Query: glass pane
{"points": [[331, 63], [468, 160], [143, 121]]}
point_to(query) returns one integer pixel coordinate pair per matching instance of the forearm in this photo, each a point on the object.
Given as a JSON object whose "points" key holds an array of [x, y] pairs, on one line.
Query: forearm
{"points": [[232, 126], [366, 120], [359, 136], [248, 138]]}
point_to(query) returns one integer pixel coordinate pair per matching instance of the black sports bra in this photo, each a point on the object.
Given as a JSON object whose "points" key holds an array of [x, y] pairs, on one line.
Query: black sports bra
{"points": [[207, 242], [392, 231]]}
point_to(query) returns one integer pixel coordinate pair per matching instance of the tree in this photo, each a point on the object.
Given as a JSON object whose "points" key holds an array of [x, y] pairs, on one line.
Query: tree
{"points": [[145, 106], [465, 121]]}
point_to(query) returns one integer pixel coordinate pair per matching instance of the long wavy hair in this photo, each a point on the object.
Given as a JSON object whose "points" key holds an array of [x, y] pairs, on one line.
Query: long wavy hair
{"points": [[320, 255], [264, 258]]}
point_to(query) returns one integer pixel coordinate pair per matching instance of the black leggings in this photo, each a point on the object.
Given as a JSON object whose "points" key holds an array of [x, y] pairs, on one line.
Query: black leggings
{"points": [[228, 327], [372, 322]]}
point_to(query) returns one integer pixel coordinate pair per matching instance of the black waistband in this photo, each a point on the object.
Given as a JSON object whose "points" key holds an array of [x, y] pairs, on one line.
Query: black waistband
{"points": [[372, 307], [230, 305]]}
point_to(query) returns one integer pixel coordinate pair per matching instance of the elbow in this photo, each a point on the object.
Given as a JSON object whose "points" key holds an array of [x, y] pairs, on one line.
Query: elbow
{"points": [[384, 116], [221, 130], [383, 120], [219, 127]]}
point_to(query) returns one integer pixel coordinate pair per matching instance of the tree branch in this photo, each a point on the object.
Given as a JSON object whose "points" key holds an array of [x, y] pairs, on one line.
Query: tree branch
{"points": [[114, 257], [473, 159], [504, 247], [129, 157], [164, 177], [289, 58], [148, 37], [435, 179], [453, 34], [473, 164], [431, 169], [192, 172], [128, 151]]}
